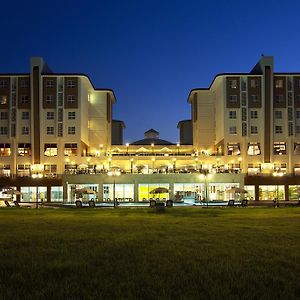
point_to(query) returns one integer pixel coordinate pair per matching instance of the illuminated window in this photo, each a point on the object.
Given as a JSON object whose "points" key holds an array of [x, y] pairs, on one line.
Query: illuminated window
{"points": [[297, 148], [24, 149], [23, 170], [279, 148], [70, 149], [278, 83], [50, 150], [233, 149], [5, 170], [3, 99], [233, 84], [5, 150], [50, 170], [253, 149]]}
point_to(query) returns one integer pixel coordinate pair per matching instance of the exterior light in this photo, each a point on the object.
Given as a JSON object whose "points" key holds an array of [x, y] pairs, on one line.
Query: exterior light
{"points": [[114, 174]]}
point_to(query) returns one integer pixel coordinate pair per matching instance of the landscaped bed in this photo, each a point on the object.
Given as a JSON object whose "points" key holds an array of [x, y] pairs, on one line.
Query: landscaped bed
{"points": [[191, 253]]}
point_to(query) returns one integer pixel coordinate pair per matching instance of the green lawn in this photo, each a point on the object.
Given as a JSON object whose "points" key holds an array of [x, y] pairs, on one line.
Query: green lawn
{"points": [[185, 253]]}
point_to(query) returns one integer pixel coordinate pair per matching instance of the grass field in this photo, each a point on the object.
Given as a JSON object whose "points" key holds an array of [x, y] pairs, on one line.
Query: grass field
{"points": [[185, 253]]}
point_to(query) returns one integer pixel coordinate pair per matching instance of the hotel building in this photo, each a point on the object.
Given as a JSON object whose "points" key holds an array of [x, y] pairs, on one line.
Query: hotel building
{"points": [[57, 135]]}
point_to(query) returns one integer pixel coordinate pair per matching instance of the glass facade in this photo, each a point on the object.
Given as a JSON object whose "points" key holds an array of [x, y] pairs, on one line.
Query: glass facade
{"points": [[218, 191], [271, 192], [145, 191], [56, 193], [33, 193], [124, 192], [188, 192], [294, 192], [73, 196]]}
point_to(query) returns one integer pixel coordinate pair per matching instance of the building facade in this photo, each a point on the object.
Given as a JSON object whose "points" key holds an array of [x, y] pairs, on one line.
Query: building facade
{"points": [[57, 135]]}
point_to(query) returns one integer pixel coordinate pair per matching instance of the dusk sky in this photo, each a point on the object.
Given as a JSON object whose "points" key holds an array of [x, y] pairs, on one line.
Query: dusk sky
{"points": [[151, 53]]}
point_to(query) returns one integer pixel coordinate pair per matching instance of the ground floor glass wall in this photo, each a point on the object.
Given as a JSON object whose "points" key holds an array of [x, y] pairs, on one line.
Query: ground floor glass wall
{"points": [[34, 193], [56, 193], [188, 192], [146, 191], [124, 192], [218, 191], [271, 192], [73, 195], [294, 192]]}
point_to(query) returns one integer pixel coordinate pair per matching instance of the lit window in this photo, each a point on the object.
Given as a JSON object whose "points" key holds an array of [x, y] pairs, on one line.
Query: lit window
{"points": [[253, 114], [254, 83], [71, 83], [233, 98], [232, 114], [297, 148], [278, 83], [253, 149], [3, 130], [278, 129], [233, 84], [3, 99], [25, 115], [3, 115], [50, 115], [232, 130], [233, 149], [70, 149], [71, 115], [71, 99], [278, 114], [50, 130], [253, 129], [5, 150], [25, 130], [24, 149], [279, 148], [71, 130], [50, 150]]}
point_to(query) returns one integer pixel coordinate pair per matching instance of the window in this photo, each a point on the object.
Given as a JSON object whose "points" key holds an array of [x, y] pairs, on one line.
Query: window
{"points": [[254, 83], [3, 130], [298, 97], [25, 115], [71, 99], [278, 114], [3, 99], [233, 98], [290, 114], [50, 150], [244, 99], [49, 84], [244, 114], [49, 99], [70, 149], [60, 129], [278, 83], [23, 170], [244, 129], [279, 148], [291, 128], [24, 99], [297, 129], [24, 149], [244, 86], [4, 149], [279, 98], [3, 84], [254, 98], [290, 99], [50, 115], [278, 129], [254, 114], [3, 115], [232, 130], [253, 149], [24, 83], [233, 149], [253, 129], [50, 130], [232, 114], [297, 114], [71, 83], [233, 84], [71, 130], [297, 148], [71, 115], [25, 130]]}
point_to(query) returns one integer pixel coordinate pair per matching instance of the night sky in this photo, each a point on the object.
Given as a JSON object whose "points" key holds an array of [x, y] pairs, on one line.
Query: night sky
{"points": [[151, 53]]}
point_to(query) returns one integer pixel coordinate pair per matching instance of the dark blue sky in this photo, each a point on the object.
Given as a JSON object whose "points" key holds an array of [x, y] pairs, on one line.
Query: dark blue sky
{"points": [[151, 53]]}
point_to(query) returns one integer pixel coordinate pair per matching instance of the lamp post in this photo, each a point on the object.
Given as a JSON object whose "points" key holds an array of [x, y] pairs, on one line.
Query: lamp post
{"points": [[205, 175], [131, 165], [114, 174]]}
